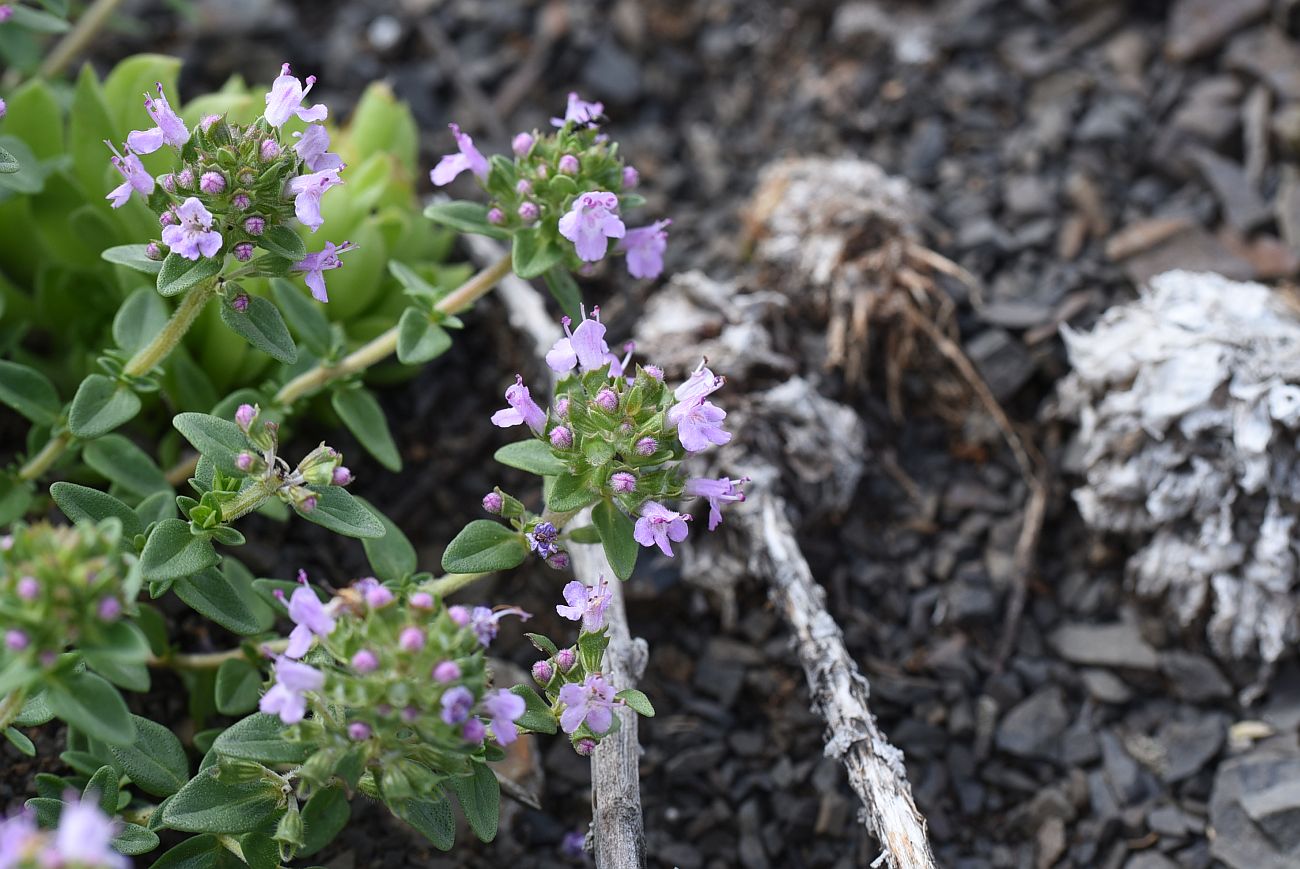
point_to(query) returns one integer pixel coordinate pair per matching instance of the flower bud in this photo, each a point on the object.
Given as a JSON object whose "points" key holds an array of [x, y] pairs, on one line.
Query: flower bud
{"points": [[185, 178], [607, 399], [166, 218], [305, 499], [206, 122], [377, 596], [543, 672], [153, 251], [410, 714], [622, 482], [496, 217], [16, 640], [365, 661], [654, 371], [244, 462], [342, 476], [290, 829], [524, 187], [543, 173], [521, 144], [631, 178], [109, 609], [568, 165], [647, 447], [446, 671], [585, 746], [212, 183], [558, 560], [492, 502], [358, 731], [247, 177], [245, 415], [411, 639], [28, 588], [318, 466], [243, 251], [459, 615], [269, 151], [528, 212], [565, 659], [561, 437], [254, 225], [240, 201], [473, 730], [167, 182]]}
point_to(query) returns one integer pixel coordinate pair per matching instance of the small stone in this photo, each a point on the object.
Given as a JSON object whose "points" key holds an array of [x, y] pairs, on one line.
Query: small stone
{"points": [[1150, 860], [1033, 727], [1268, 55], [1242, 206], [1194, 677], [1277, 811], [1190, 745], [1050, 841], [1197, 27], [1238, 840], [1122, 771], [1118, 644], [1105, 686], [1168, 821], [1003, 361]]}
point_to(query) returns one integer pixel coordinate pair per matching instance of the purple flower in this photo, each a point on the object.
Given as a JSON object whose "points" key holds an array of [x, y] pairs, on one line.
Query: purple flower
{"points": [[243, 251], [240, 201], [496, 216], [169, 129], [592, 219], [466, 157], [542, 539], [365, 661], [562, 406], [522, 409], [592, 703], [185, 178], [446, 671], [411, 639], [658, 525], [307, 191], [313, 148], [606, 399], [109, 609], [623, 482], [584, 346], [316, 264], [543, 672], [717, 492], [631, 178], [4, 109], [376, 594], [28, 588], [269, 151], [567, 165], [492, 502], [699, 425], [16, 640], [137, 178], [565, 659], [561, 437], [558, 560], [240, 304], [646, 446], [292, 680], [85, 836], [456, 704], [193, 236], [244, 416], [585, 747], [285, 100], [212, 183], [19, 836], [579, 111], [483, 621], [342, 476], [586, 603], [701, 384], [459, 615], [254, 225], [207, 122], [503, 708], [528, 212], [521, 143], [524, 187], [6, 12], [645, 248], [473, 731], [358, 731], [311, 618]]}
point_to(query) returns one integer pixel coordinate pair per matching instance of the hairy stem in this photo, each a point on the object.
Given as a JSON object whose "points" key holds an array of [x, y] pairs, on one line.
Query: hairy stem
{"points": [[212, 660], [79, 37], [245, 502], [453, 582], [10, 706], [385, 345], [138, 365]]}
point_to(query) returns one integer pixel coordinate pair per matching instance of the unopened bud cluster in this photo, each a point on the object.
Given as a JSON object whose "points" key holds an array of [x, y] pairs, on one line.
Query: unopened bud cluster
{"points": [[297, 486]]}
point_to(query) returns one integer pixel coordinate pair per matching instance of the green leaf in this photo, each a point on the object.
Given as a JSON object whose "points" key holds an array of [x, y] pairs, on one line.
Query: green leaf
{"points": [[172, 552], [412, 284], [228, 598], [239, 685], [123, 463], [20, 741], [84, 504], [391, 557], [537, 715], [568, 492], [142, 316], [483, 546], [178, 274], [156, 507], [101, 405], [155, 761], [133, 840], [341, 513], [8, 163], [591, 649], [220, 440], [46, 809], [533, 253], [532, 456], [585, 534], [637, 701], [262, 326], [361, 413], [120, 641], [324, 817], [29, 392], [480, 798], [309, 324], [15, 498], [465, 217], [207, 805], [35, 711], [133, 256], [615, 530], [432, 818], [104, 785], [419, 339], [280, 240], [259, 737], [36, 20], [30, 175], [133, 676], [198, 852], [543, 643], [93, 706], [565, 290]]}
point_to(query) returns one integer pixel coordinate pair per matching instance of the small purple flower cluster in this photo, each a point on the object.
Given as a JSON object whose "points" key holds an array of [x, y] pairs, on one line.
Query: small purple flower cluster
{"points": [[298, 486], [83, 838], [568, 184], [234, 183]]}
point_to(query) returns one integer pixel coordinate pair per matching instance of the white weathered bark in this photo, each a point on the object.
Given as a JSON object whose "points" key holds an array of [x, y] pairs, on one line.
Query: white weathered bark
{"points": [[839, 692]]}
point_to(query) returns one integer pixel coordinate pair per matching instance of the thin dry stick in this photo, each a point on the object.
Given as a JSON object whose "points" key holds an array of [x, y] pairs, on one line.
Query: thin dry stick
{"points": [[839, 692], [617, 824]]}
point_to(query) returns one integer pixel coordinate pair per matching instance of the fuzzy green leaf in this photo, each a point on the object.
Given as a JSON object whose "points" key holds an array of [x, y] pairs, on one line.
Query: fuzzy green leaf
{"points": [[419, 339], [480, 798], [155, 761], [465, 217], [173, 552], [262, 326], [178, 274], [324, 817], [207, 805], [101, 405], [533, 253], [565, 290], [433, 818], [20, 741], [537, 715], [568, 492], [133, 256], [142, 316], [29, 392], [260, 737], [8, 163], [124, 463], [637, 701], [391, 557], [280, 240], [615, 530], [309, 324], [133, 840], [198, 852], [239, 685], [532, 456], [341, 513], [93, 706], [361, 413], [84, 504], [219, 440], [483, 546], [227, 597]]}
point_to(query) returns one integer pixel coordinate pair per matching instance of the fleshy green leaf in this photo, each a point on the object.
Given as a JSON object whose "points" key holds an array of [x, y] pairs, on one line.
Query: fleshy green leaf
{"points": [[532, 456], [533, 253], [227, 597], [483, 546], [172, 552], [565, 290], [29, 392], [142, 316], [104, 785], [391, 557], [637, 701], [433, 818], [133, 256], [198, 852], [239, 685], [93, 706], [419, 339], [20, 741], [178, 274], [280, 240], [219, 440], [615, 530], [84, 504], [537, 715], [323, 818], [262, 326], [361, 413], [568, 492], [480, 798], [465, 217], [259, 737], [155, 761], [124, 463], [341, 513], [207, 805], [101, 405], [133, 840]]}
